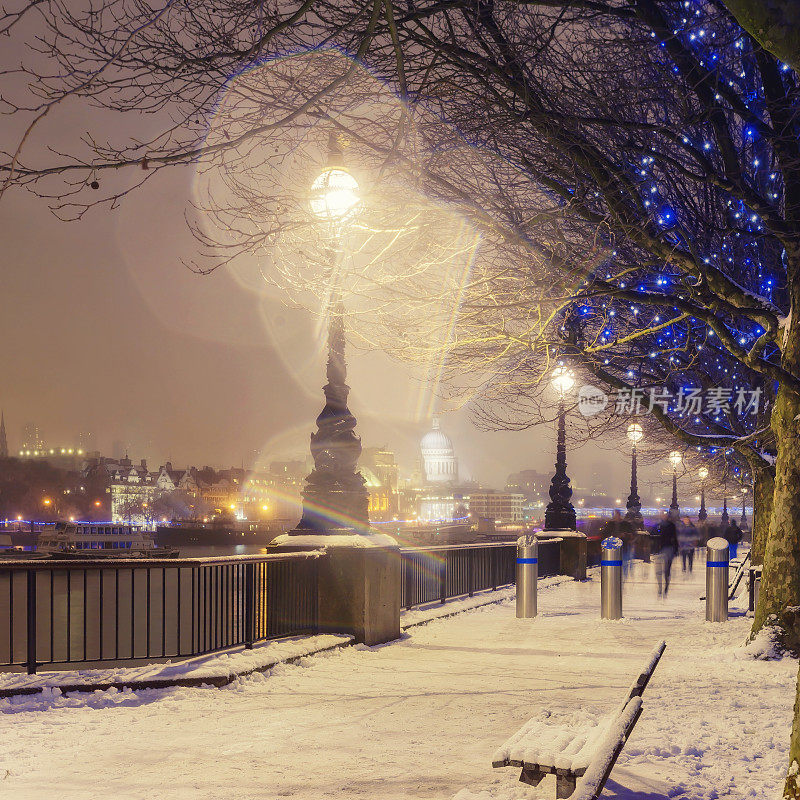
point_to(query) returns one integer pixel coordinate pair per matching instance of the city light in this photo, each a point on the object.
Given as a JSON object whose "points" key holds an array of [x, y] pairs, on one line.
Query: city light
{"points": [[97, 503], [675, 459], [47, 501], [703, 473], [563, 380], [635, 432], [334, 195]]}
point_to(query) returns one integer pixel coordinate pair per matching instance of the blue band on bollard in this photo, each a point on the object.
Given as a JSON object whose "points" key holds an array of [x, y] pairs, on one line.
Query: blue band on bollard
{"points": [[611, 563], [717, 564], [527, 561]]}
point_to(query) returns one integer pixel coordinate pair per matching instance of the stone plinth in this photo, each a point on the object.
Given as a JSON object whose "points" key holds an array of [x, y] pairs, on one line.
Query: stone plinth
{"points": [[573, 553], [359, 582]]}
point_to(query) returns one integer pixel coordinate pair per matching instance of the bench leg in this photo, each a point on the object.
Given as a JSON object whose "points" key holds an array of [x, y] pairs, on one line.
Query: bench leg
{"points": [[533, 777], [565, 786]]}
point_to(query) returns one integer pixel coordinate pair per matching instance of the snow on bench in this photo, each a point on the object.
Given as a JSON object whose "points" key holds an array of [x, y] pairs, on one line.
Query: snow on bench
{"points": [[580, 751]]}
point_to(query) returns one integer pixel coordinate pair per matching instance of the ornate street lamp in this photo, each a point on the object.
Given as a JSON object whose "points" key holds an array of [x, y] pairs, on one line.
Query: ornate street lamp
{"points": [[675, 459], [702, 515], [725, 520], [634, 504], [335, 496], [560, 513]]}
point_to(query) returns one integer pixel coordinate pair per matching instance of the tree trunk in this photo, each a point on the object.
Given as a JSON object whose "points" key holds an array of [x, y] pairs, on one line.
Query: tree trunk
{"points": [[775, 24], [780, 581], [791, 789], [763, 496]]}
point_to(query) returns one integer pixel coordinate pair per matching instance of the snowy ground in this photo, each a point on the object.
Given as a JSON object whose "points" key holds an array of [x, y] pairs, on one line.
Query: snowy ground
{"points": [[421, 718]]}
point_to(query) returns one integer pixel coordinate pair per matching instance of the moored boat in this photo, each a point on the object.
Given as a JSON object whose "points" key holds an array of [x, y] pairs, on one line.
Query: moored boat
{"points": [[85, 540]]}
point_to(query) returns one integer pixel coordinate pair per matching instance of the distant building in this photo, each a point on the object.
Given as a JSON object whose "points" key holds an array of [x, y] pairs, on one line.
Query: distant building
{"points": [[529, 482], [500, 507], [69, 458], [438, 456], [443, 498], [443, 506], [379, 468], [293, 470], [269, 496], [32, 440], [133, 492], [86, 441]]}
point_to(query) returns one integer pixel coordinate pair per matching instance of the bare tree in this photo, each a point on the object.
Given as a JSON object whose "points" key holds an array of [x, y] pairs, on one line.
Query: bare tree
{"points": [[631, 156]]}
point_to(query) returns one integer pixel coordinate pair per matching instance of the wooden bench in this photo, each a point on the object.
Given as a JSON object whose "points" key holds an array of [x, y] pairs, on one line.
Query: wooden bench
{"points": [[581, 756]]}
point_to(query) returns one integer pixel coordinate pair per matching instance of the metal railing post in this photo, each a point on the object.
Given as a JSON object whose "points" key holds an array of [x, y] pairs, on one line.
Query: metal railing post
{"points": [[443, 578], [408, 565], [249, 605], [32, 626], [471, 569], [315, 570]]}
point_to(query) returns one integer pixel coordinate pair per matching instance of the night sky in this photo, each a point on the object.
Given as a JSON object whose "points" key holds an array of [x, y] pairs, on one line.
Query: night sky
{"points": [[105, 330]]}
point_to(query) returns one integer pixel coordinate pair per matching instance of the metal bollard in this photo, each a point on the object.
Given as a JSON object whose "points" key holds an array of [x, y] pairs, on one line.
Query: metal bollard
{"points": [[527, 576], [611, 578], [717, 580]]}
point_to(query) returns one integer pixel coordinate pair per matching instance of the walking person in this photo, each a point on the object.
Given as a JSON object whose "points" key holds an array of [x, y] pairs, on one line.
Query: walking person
{"points": [[664, 546], [688, 539], [733, 533]]}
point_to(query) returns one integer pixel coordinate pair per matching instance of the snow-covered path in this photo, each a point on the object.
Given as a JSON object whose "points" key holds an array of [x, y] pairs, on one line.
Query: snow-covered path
{"points": [[421, 718]]}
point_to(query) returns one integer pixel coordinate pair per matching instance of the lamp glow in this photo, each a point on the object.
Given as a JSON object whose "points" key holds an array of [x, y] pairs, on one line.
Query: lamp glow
{"points": [[334, 195], [675, 458], [703, 473], [562, 380], [635, 432]]}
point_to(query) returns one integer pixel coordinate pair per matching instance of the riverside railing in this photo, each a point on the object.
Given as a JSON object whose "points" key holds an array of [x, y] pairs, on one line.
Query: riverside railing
{"points": [[440, 572], [86, 611]]}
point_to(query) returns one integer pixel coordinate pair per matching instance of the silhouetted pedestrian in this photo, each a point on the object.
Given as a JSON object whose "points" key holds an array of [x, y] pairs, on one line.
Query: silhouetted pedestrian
{"points": [[688, 539], [733, 533], [664, 546]]}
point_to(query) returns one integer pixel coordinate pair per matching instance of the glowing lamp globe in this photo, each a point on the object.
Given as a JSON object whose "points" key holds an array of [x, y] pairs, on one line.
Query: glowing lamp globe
{"points": [[562, 380], [675, 458], [635, 432], [703, 473], [334, 195]]}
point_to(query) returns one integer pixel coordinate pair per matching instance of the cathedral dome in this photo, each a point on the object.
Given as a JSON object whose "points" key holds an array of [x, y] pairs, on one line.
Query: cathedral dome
{"points": [[436, 439], [438, 456]]}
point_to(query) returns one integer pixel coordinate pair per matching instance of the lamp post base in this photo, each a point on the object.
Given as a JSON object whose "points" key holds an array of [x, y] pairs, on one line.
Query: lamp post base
{"points": [[359, 581], [573, 552], [560, 518]]}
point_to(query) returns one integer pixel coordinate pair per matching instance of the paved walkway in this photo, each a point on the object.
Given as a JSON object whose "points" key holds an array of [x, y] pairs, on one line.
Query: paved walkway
{"points": [[422, 717]]}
